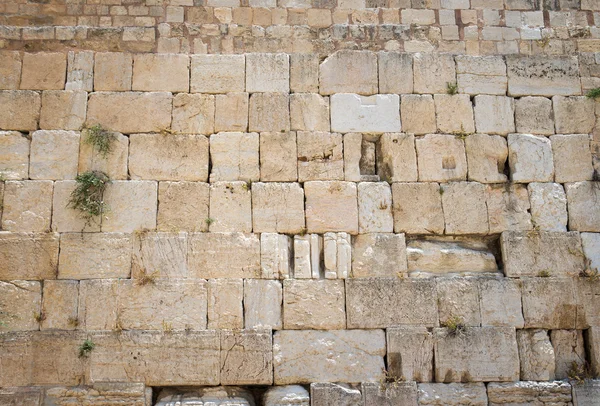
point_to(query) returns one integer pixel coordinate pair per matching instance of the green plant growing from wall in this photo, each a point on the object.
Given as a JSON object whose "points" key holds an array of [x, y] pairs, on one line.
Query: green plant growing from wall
{"points": [[451, 88], [455, 325], [100, 139], [594, 93], [88, 196], [86, 348]]}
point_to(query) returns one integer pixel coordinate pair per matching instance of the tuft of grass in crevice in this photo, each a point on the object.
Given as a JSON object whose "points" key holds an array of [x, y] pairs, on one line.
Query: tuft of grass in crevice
{"points": [[101, 139], [455, 325], [147, 278], [88, 196], [580, 372], [451, 88], [86, 348], [593, 93]]}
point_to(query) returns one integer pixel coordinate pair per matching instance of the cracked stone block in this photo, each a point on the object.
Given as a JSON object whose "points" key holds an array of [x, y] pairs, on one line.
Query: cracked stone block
{"points": [[44, 71], [543, 75], [10, 70], [224, 255], [114, 164], [320, 156], [572, 158], [269, 112], [309, 112], [63, 110], [286, 395], [395, 72], [231, 112], [262, 304], [500, 302], [323, 394], [417, 208], [534, 115], [410, 353], [379, 113], [324, 203], [194, 113], [28, 256], [508, 208], [59, 305], [530, 158], [218, 73], [267, 72], [161, 255], [465, 209], [452, 394], [536, 355], [308, 250], [418, 114], [548, 206], [349, 71], [568, 349], [277, 207], [80, 71], [584, 206], [486, 156], [441, 158], [304, 73], [54, 155], [440, 257], [113, 71], [433, 72], [275, 255], [97, 306], [278, 157], [132, 205], [183, 206], [133, 394], [574, 115], [528, 393], [14, 155], [21, 110], [230, 207], [458, 298], [481, 74], [454, 113], [494, 114], [378, 254], [225, 309], [375, 207], [337, 255], [20, 305], [314, 304], [403, 393], [161, 73], [27, 206], [234, 156], [397, 158], [246, 357]]}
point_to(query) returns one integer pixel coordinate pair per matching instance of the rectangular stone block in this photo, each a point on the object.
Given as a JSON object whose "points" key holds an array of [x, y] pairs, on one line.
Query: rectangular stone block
{"points": [[113, 71], [26, 256], [80, 71], [587, 393], [410, 353], [275, 256], [465, 209], [542, 76], [218, 73], [481, 75], [133, 394], [323, 394], [458, 299], [304, 73], [27, 206], [584, 206], [433, 72], [508, 208], [378, 255], [534, 115], [159, 255], [63, 110], [395, 72], [397, 157], [234, 156], [54, 154], [267, 72], [324, 203], [403, 393], [568, 349], [572, 158], [131, 206], [161, 73], [500, 302], [225, 309], [320, 156], [375, 207], [59, 305], [14, 155], [20, 396], [298, 355], [452, 394], [441, 158], [555, 392], [308, 250], [494, 114], [368, 114], [246, 357], [407, 302], [573, 115], [183, 206], [418, 114], [417, 208], [44, 71], [231, 112], [536, 356], [314, 304], [278, 157], [454, 113], [277, 207], [262, 303], [224, 255], [20, 305], [309, 112], [349, 72], [591, 249], [114, 164], [97, 307], [269, 112], [193, 113], [230, 207], [552, 303], [592, 336], [10, 70], [486, 157], [530, 158], [21, 110], [548, 206]]}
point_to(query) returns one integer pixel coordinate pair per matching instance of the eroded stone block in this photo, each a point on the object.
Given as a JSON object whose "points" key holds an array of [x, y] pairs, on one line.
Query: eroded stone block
{"points": [[552, 303], [324, 203], [28, 256], [368, 114], [262, 303], [231, 112], [534, 115], [349, 72], [14, 155], [545, 393], [572, 158], [530, 158], [378, 254], [277, 207], [584, 206], [54, 155], [132, 205], [224, 255], [304, 72], [287, 395], [586, 394], [508, 208], [418, 208], [230, 207], [433, 72], [418, 114], [568, 349], [452, 394], [536, 355], [27, 206], [548, 206], [314, 304], [159, 256], [486, 156], [113, 71], [309, 112], [63, 110], [59, 306], [183, 206], [44, 71], [410, 353], [396, 157], [246, 357], [542, 75], [10, 70], [323, 394], [454, 113], [573, 115], [114, 164], [267, 73], [21, 110], [194, 113], [458, 299], [439, 257], [161, 73], [269, 112], [500, 302], [494, 114], [275, 256], [20, 305], [80, 71], [403, 393], [133, 394], [225, 310], [375, 207], [218, 73], [481, 74], [278, 157], [395, 72], [320, 156], [441, 158], [465, 209]]}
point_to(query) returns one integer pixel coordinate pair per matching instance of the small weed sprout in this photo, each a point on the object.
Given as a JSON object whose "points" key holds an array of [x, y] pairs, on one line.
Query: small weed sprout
{"points": [[544, 273], [167, 327], [593, 93], [101, 139], [389, 378], [247, 186], [88, 196], [86, 348], [146, 278], [580, 372], [383, 205], [589, 272], [455, 325], [209, 221], [451, 88], [303, 231], [39, 316], [73, 322]]}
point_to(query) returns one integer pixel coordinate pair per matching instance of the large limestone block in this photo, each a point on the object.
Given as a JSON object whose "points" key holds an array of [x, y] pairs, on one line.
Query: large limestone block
{"points": [[14, 155], [542, 75], [298, 356], [194, 113], [529, 253], [97, 306], [113, 71], [331, 206], [27, 205], [65, 218], [269, 112], [170, 157], [572, 158], [486, 157], [591, 249], [44, 71], [448, 256], [418, 114], [308, 250], [584, 206], [407, 302], [403, 393], [548, 206], [218, 73], [353, 157], [80, 71], [481, 74], [132, 394], [349, 72], [161, 73], [225, 309], [397, 157], [458, 299], [231, 112], [574, 115], [20, 305], [59, 306], [508, 208], [10, 70], [494, 114], [433, 72], [286, 395], [410, 353], [529, 393], [552, 303], [500, 302], [131, 206], [304, 72], [368, 114], [63, 110], [323, 394], [277, 207], [160, 256], [378, 254], [465, 209], [587, 293], [536, 355], [441, 158], [162, 305], [156, 358], [20, 110], [480, 354], [395, 72], [234, 156], [278, 157], [114, 164], [54, 155], [262, 304], [183, 206], [530, 158], [230, 207], [534, 115], [452, 394], [454, 113], [114, 111], [21, 396], [267, 73], [224, 255], [28, 256], [568, 349], [275, 255], [375, 207], [587, 393], [246, 357], [309, 112], [320, 156], [314, 304], [417, 208]]}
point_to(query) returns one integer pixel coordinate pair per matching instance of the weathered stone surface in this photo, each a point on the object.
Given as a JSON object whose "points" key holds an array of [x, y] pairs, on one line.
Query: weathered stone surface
{"points": [[113, 111], [297, 356], [592, 336], [573, 115], [275, 255], [452, 394], [572, 158], [396, 157], [449, 257], [552, 303], [465, 209], [542, 75], [568, 349], [113, 71], [528, 254], [224, 255], [63, 110], [277, 207], [304, 246], [28, 256], [591, 249], [458, 299], [365, 299], [267, 73], [481, 75], [494, 114], [395, 72], [353, 155], [183, 206], [320, 156], [223, 395], [54, 155], [486, 156], [418, 114], [194, 113], [530, 158], [481, 354], [304, 72], [536, 355], [97, 307], [20, 305], [269, 112], [246, 358], [378, 254], [218, 73], [528, 393], [98, 394], [534, 115], [20, 396], [454, 113], [441, 158], [10, 70], [289, 395], [337, 255], [21, 110], [403, 393], [262, 304], [278, 157], [587, 393], [65, 218], [500, 302], [161, 73], [375, 207], [349, 72], [584, 206], [230, 207], [368, 114], [418, 208], [44, 71], [114, 164], [156, 358], [314, 304], [14, 155], [159, 256], [80, 71], [324, 203], [27, 206], [131, 206], [59, 305], [508, 208], [309, 112], [323, 394], [410, 353], [433, 72], [548, 206], [231, 112]]}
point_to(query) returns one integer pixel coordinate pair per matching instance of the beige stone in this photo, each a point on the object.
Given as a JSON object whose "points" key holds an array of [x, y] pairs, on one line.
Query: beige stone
{"points": [[159, 256], [417, 208], [410, 353], [193, 113], [500, 302], [168, 157], [337, 255], [441, 158], [534, 115], [224, 255], [573, 115], [402, 393], [396, 157], [494, 114], [21, 110], [552, 303], [304, 72], [14, 155], [546, 393], [113, 71], [218, 73], [536, 355], [353, 157], [269, 112], [267, 72], [114, 111], [63, 110], [28, 256], [454, 113], [313, 304], [80, 71], [278, 157], [231, 112], [379, 113], [452, 394], [486, 156], [246, 357], [542, 75], [114, 164], [161, 73], [458, 299], [591, 249], [97, 306], [530, 158], [481, 74], [378, 255], [349, 72], [54, 155], [375, 207], [230, 207], [324, 203], [27, 206], [234, 156], [322, 394], [320, 156], [275, 256], [227, 395], [183, 206], [309, 112], [133, 394], [568, 349], [548, 206], [449, 256], [20, 305], [262, 303], [508, 208], [583, 203], [433, 72], [287, 394], [44, 71], [277, 207], [418, 114], [297, 356], [22, 396], [132, 205], [225, 310], [308, 250], [572, 158], [395, 72], [59, 305], [465, 209], [10, 70]]}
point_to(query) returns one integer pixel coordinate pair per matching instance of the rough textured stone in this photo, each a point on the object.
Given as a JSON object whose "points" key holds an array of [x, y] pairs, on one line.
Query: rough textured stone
{"points": [[410, 353], [218, 73], [277, 207], [500, 302], [572, 158], [278, 157], [10, 70], [194, 113], [269, 112], [481, 354], [433, 72], [449, 257], [159, 256], [97, 306], [323, 394], [396, 157], [542, 75], [534, 115], [368, 114], [20, 305], [418, 114], [14, 155], [113, 71], [223, 395], [454, 113], [59, 305], [320, 156], [573, 115], [587, 393], [528, 393], [54, 155], [224, 255], [114, 164], [395, 72], [289, 395], [231, 112], [267, 73], [477, 74], [452, 394], [403, 393], [418, 208], [552, 303], [304, 72], [593, 348], [568, 349], [591, 249], [262, 304], [353, 156], [225, 310], [28, 256], [230, 207], [458, 299], [536, 355], [63, 110], [314, 304], [80, 71], [246, 358], [378, 254], [98, 394], [324, 203], [27, 206], [19, 396], [275, 255], [494, 114], [508, 208], [486, 156], [441, 158], [309, 112], [548, 206], [161, 73], [297, 355], [21, 110], [307, 256], [530, 158], [584, 206], [465, 210], [43, 71], [183, 206], [337, 255], [349, 72], [131, 206], [375, 207]]}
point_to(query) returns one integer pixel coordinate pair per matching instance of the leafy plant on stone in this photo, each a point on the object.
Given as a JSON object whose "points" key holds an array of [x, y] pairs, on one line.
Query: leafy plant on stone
{"points": [[455, 325], [451, 88], [594, 93], [88, 196], [101, 139], [86, 348]]}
